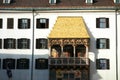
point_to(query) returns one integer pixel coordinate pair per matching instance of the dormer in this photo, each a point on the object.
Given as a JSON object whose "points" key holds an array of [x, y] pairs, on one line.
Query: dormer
{"points": [[52, 2], [89, 1], [116, 1], [6, 1]]}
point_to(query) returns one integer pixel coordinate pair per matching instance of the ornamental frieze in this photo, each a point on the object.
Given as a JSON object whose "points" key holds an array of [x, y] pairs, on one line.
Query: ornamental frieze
{"points": [[68, 42]]}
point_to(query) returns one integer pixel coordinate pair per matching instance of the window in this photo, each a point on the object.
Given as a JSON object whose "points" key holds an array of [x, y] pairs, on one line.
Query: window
{"points": [[41, 64], [23, 23], [10, 43], [6, 1], [41, 43], [117, 1], [9, 62], [22, 63], [102, 64], [0, 43], [52, 1], [102, 43], [42, 23], [102, 22], [10, 23], [1, 23], [23, 43]]}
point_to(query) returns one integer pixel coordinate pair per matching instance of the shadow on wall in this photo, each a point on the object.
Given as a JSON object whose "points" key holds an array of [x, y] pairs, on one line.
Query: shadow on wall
{"points": [[93, 55], [22, 74]]}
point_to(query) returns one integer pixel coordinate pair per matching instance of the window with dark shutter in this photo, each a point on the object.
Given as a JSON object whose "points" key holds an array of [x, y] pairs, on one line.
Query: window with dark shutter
{"points": [[10, 23], [41, 43], [1, 23], [42, 23], [23, 43], [102, 22], [23, 63], [9, 43], [41, 64], [23, 23], [102, 43], [102, 64], [0, 43], [9, 62]]}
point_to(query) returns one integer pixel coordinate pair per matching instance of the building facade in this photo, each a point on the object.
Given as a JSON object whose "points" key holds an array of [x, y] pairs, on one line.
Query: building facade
{"points": [[60, 39]]}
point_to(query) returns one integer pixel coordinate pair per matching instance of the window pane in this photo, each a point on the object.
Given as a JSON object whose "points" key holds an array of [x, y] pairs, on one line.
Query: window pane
{"points": [[103, 43], [0, 43]]}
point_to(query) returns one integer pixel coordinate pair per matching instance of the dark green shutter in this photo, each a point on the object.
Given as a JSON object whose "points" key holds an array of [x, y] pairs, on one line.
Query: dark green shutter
{"points": [[47, 23], [19, 23], [107, 22], [97, 22], [107, 44], [28, 23], [38, 23], [1, 22], [10, 23], [98, 44]]}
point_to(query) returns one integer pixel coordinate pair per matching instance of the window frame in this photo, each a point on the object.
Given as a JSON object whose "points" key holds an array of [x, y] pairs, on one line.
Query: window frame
{"points": [[102, 64], [9, 43], [23, 43], [22, 24], [105, 45], [10, 61], [41, 25], [23, 63], [41, 63], [99, 22]]}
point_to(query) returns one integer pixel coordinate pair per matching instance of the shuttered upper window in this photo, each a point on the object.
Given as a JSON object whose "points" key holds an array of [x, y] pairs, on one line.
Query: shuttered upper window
{"points": [[102, 22], [102, 43], [9, 43], [10, 23], [23, 43], [42, 23], [24, 23], [1, 23], [41, 43]]}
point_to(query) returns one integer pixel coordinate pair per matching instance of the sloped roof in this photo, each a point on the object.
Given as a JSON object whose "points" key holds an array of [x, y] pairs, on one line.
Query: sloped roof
{"points": [[69, 27], [61, 4]]}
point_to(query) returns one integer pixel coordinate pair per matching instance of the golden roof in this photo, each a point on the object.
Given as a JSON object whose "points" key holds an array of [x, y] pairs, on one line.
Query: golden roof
{"points": [[69, 27]]}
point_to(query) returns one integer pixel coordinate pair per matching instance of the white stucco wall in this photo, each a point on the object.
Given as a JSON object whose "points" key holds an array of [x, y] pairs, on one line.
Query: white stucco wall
{"points": [[90, 21]]}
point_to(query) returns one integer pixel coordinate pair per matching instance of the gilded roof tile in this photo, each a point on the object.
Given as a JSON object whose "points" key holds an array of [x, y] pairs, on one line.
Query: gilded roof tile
{"points": [[69, 27]]}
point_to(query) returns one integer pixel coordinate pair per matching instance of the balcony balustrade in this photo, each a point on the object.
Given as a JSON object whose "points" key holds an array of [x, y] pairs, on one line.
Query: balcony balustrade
{"points": [[68, 61]]}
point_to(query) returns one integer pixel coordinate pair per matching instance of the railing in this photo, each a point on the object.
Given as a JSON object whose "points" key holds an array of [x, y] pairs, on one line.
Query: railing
{"points": [[68, 61]]}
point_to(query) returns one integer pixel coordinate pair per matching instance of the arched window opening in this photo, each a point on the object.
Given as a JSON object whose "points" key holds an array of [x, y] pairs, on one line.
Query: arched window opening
{"points": [[68, 51], [56, 51], [80, 51]]}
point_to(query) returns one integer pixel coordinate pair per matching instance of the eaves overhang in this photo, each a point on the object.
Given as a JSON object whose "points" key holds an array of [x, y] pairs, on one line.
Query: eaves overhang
{"points": [[60, 8]]}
